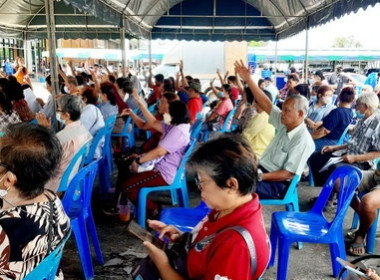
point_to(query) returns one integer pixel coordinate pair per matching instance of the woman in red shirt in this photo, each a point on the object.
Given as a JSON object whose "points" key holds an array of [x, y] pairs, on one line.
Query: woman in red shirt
{"points": [[226, 170]]}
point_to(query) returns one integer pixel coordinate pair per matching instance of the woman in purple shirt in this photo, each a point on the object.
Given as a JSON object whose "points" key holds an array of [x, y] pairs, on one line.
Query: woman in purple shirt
{"points": [[159, 166]]}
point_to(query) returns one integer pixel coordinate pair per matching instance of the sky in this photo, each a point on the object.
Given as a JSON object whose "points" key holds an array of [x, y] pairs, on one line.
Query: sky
{"points": [[363, 26]]}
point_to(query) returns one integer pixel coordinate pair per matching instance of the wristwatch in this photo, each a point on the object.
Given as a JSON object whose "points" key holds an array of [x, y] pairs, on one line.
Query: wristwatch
{"points": [[137, 160], [259, 175]]}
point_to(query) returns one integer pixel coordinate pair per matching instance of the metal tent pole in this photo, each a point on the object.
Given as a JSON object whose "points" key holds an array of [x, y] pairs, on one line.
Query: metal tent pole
{"points": [[123, 50], [306, 67], [50, 24], [275, 62], [150, 51]]}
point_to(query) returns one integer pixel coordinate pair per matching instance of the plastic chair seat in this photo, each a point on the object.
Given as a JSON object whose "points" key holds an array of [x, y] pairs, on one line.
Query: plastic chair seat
{"points": [[185, 219]]}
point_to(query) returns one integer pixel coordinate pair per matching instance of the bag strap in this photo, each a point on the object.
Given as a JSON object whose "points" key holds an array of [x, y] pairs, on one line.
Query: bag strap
{"points": [[248, 240]]}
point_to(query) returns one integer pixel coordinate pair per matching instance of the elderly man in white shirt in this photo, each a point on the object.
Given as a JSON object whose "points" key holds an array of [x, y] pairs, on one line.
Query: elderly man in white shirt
{"points": [[291, 147]]}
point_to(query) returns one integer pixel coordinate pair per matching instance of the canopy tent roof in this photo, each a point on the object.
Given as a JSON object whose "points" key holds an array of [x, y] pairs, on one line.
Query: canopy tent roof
{"points": [[216, 20]]}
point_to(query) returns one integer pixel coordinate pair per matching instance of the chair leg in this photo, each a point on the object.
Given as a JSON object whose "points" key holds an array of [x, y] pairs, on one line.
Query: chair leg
{"points": [[355, 221], [80, 233], [94, 237], [337, 250], [184, 196], [104, 177], [273, 242], [283, 258], [371, 236], [141, 208], [174, 196]]}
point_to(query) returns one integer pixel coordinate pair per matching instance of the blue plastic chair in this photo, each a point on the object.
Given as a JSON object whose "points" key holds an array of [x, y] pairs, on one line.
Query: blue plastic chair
{"points": [[178, 186], [185, 219], [312, 226], [106, 161], [225, 127], [77, 204], [290, 199], [127, 135], [48, 267], [77, 160], [196, 129]]}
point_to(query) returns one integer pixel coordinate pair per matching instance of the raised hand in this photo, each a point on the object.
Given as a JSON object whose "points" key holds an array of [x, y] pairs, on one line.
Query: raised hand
{"points": [[243, 71]]}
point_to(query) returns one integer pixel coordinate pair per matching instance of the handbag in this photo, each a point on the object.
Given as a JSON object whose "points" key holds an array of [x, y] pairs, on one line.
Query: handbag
{"points": [[177, 254]]}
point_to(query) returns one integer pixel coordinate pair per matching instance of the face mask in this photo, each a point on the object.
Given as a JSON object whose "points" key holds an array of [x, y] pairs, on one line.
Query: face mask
{"points": [[3, 192], [66, 89], [221, 94], [359, 115], [313, 98], [99, 99], [58, 117], [327, 100], [167, 118]]}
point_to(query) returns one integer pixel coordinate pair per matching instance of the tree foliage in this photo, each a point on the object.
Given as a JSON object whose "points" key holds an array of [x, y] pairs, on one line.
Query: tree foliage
{"points": [[346, 42], [257, 44]]}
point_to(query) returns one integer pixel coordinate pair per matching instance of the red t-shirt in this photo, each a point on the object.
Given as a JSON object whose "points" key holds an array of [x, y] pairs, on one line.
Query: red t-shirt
{"points": [[156, 94], [234, 93], [194, 105], [227, 255]]}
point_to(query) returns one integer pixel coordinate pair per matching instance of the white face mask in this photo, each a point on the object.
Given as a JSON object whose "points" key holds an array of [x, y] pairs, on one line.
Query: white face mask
{"points": [[3, 192], [66, 89], [327, 100], [167, 118], [58, 117]]}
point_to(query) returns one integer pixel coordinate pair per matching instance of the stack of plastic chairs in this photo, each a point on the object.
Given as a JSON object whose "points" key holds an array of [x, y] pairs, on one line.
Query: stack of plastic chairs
{"points": [[77, 204], [177, 187], [106, 161], [312, 226], [48, 267]]}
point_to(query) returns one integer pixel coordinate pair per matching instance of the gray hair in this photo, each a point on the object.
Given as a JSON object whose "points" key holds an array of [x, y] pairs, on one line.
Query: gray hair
{"points": [[370, 99], [300, 103], [71, 104]]}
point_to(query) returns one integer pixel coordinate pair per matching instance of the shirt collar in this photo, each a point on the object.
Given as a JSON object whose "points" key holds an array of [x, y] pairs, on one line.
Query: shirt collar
{"points": [[294, 131], [368, 120]]}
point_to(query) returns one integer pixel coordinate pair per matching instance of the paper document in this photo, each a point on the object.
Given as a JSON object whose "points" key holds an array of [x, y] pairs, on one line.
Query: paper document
{"points": [[331, 161]]}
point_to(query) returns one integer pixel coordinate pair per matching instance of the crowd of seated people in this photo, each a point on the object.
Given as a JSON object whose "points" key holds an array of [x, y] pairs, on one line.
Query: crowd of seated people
{"points": [[302, 128]]}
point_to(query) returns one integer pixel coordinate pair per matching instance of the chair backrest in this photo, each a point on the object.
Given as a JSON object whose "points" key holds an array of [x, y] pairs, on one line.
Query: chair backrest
{"points": [[349, 179], [152, 107], [227, 122], [181, 168], [47, 268], [103, 133], [79, 191], [77, 161], [128, 122], [341, 139], [196, 129]]}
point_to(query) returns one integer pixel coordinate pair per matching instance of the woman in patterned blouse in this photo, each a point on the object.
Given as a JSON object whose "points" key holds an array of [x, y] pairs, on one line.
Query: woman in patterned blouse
{"points": [[32, 219]]}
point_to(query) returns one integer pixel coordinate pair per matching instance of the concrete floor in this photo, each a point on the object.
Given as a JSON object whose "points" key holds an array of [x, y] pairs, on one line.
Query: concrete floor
{"points": [[312, 262]]}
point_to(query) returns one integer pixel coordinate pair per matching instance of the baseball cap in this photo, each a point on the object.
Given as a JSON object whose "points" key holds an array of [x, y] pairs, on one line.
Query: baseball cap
{"points": [[194, 85]]}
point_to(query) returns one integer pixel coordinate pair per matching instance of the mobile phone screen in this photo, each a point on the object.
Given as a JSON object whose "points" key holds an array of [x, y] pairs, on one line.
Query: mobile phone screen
{"points": [[145, 235]]}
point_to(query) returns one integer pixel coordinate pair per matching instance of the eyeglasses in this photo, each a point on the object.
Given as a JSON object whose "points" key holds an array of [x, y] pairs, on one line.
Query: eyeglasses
{"points": [[199, 183]]}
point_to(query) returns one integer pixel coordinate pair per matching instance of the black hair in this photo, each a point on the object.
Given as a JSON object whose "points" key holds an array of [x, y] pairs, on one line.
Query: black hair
{"points": [[32, 153], [179, 112], [322, 90], [13, 91], [229, 156], [120, 82], [268, 94], [232, 79], [48, 80], [112, 79], [127, 87], [293, 77], [347, 95], [159, 78], [107, 89], [249, 94], [5, 103], [303, 89], [80, 80], [260, 82]]}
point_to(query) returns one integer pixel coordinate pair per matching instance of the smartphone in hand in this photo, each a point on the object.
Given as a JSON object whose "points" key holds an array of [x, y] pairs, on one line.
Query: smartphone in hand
{"points": [[145, 235], [349, 266]]}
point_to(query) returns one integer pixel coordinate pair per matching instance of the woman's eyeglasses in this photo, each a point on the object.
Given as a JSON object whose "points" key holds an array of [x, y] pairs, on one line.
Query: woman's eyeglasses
{"points": [[199, 183]]}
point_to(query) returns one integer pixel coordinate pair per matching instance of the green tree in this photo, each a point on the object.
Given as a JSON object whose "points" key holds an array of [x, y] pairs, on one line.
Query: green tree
{"points": [[257, 44], [346, 42]]}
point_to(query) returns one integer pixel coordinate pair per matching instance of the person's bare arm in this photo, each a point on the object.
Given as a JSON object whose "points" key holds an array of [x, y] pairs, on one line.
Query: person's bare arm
{"points": [[212, 117], [220, 77], [213, 88], [278, 176], [320, 132], [139, 122], [183, 79], [260, 97], [108, 71], [239, 84]]}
